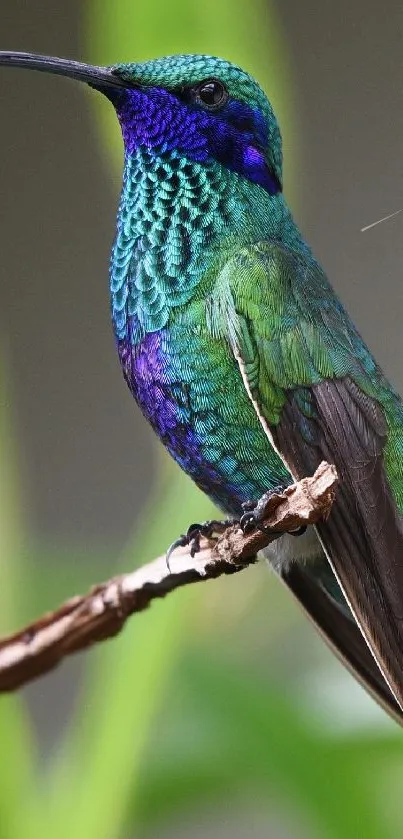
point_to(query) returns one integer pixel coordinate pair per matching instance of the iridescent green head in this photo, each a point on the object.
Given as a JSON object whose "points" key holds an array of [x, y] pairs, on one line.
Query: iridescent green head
{"points": [[215, 101], [197, 106]]}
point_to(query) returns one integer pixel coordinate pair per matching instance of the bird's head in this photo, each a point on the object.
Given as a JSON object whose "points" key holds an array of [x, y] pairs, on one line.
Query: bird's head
{"points": [[196, 106], [204, 108]]}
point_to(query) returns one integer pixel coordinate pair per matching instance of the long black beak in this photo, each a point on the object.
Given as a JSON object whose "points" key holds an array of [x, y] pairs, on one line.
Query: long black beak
{"points": [[102, 78]]}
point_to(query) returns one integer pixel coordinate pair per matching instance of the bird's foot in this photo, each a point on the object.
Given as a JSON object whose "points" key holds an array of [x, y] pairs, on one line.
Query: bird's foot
{"points": [[253, 516], [207, 529]]}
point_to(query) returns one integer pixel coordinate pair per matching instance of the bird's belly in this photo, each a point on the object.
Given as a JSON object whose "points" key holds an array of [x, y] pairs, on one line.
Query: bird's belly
{"points": [[289, 548], [192, 393]]}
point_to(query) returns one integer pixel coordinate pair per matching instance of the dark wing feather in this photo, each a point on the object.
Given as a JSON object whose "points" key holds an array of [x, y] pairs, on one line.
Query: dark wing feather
{"points": [[320, 395], [363, 535], [340, 631]]}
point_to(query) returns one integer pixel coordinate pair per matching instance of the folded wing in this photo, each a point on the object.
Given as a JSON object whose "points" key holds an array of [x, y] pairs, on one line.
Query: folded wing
{"points": [[320, 395]]}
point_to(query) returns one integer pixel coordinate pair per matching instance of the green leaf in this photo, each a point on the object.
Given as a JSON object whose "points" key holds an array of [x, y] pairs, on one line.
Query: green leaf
{"points": [[125, 685], [279, 746], [20, 816]]}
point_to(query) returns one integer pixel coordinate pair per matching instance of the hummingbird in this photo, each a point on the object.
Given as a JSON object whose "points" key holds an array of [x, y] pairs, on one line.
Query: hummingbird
{"points": [[237, 349]]}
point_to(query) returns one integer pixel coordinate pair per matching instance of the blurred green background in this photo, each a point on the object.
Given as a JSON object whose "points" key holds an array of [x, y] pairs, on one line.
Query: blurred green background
{"points": [[219, 712]]}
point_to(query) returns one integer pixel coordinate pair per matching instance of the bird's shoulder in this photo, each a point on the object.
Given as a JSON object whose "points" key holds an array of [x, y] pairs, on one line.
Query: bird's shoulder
{"points": [[278, 304]]}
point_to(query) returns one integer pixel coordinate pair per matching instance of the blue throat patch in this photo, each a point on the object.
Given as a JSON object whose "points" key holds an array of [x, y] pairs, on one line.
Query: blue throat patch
{"points": [[235, 137]]}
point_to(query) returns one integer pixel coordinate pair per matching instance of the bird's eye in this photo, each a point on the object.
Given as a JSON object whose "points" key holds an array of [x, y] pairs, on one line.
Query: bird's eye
{"points": [[211, 93]]}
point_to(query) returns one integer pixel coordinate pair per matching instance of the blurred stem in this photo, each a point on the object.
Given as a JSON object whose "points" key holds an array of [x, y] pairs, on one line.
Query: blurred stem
{"points": [[17, 745], [247, 32], [21, 810], [286, 751], [103, 748], [11, 526]]}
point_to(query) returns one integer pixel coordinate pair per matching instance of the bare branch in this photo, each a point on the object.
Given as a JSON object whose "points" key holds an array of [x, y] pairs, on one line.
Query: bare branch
{"points": [[100, 614]]}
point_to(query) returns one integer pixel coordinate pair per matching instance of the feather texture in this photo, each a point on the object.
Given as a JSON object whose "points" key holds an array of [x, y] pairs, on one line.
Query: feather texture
{"points": [[324, 397], [241, 356]]}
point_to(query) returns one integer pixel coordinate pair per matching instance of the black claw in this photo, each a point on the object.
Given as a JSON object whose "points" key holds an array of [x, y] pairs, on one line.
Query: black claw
{"points": [[181, 542], [250, 521], [254, 512], [247, 522], [194, 533]]}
